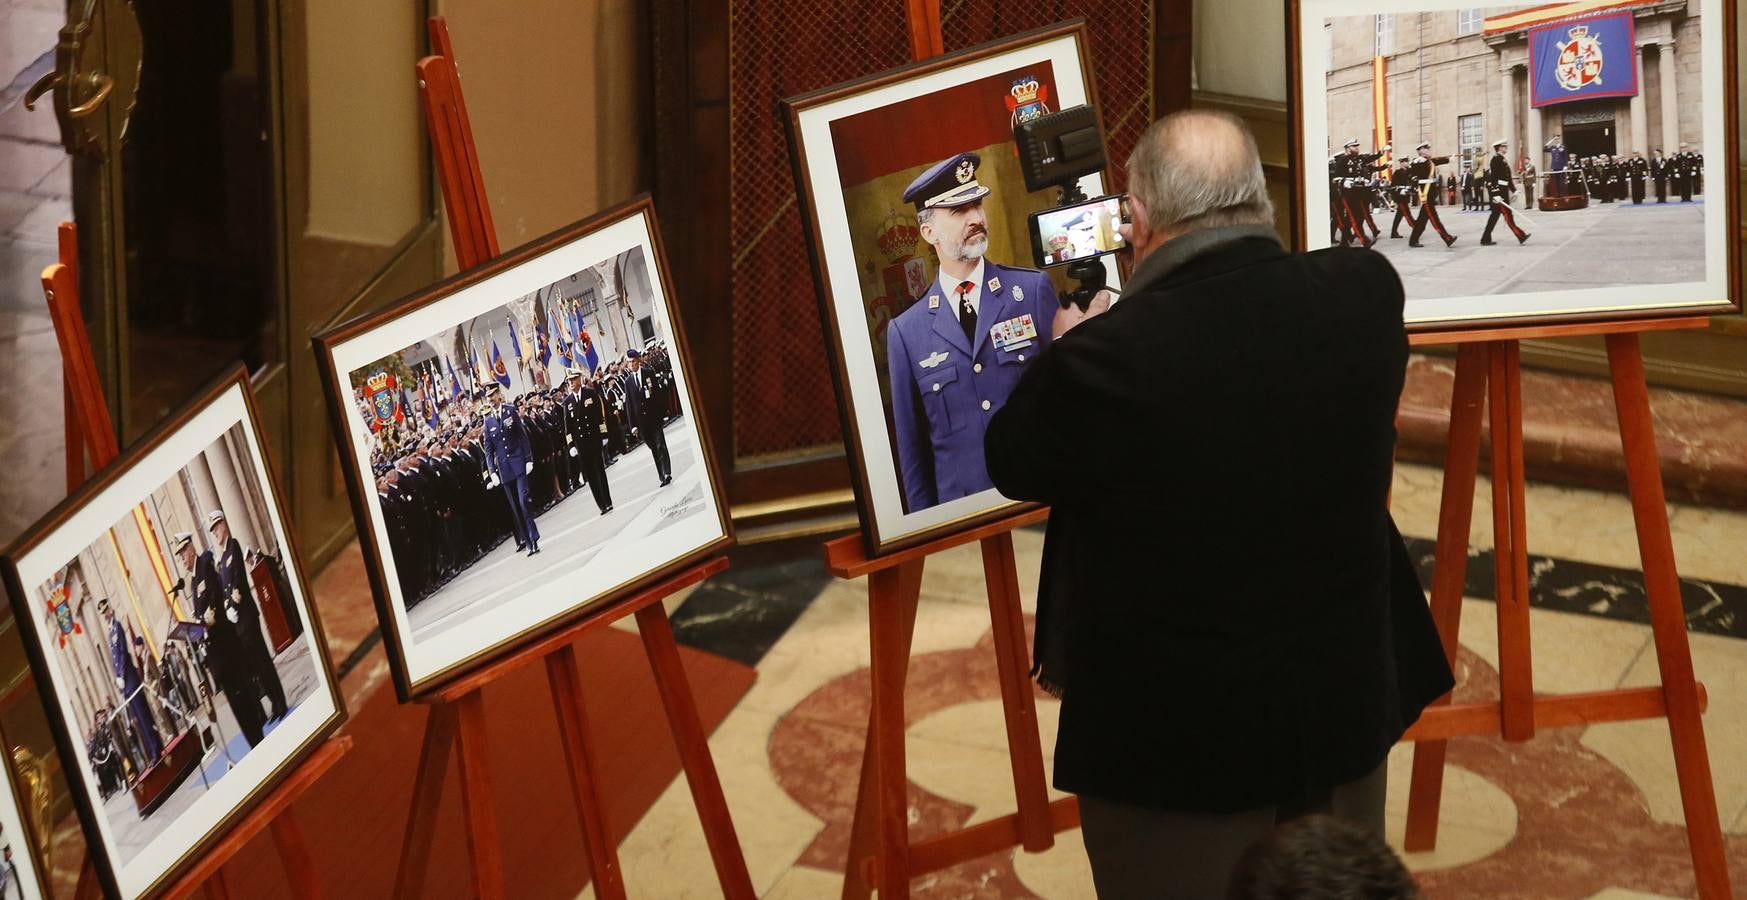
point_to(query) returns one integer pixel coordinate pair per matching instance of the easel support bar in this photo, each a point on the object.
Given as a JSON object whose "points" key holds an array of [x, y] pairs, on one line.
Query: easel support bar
{"points": [[1440, 723]]}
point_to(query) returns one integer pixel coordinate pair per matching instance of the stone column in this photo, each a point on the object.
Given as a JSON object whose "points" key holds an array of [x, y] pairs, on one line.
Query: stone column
{"points": [[1536, 140], [1640, 109], [1507, 84], [1670, 100]]}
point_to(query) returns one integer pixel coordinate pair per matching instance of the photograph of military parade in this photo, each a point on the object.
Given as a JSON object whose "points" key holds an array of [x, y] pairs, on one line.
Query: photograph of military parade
{"points": [[1519, 149], [515, 448], [181, 645]]}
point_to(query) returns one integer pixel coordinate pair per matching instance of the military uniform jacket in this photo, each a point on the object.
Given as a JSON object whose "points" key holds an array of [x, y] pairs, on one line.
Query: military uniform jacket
{"points": [[236, 586], [208, 593], [944, 390], [1498, 178], [583, 412], [121, 660], [508, 449], [1639, 167]]}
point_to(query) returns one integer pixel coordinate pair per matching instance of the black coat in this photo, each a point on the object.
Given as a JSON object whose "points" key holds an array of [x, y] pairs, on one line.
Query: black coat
{"points": [[1243, 625]]}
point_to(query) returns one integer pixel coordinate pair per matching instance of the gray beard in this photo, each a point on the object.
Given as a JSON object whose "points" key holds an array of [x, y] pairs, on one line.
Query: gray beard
{"points": [[973, 249]]}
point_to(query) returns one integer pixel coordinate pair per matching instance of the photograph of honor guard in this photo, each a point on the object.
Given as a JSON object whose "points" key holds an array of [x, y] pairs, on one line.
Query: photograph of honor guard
{"points": [[585, 421], [1498, 188], [129, 683], [1422, 171], [957, 352], [509, 454], [243, 615]]}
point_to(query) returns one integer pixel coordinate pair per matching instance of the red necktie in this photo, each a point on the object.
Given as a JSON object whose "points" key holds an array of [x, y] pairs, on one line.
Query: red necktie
{"points": [[967, 317]]}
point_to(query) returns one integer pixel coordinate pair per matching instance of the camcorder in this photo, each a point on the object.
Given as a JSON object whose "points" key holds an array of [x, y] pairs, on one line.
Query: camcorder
{"points": [[1057, 150]]}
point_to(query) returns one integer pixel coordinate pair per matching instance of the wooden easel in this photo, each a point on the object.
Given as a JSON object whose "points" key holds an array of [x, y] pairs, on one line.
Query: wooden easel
{"points": [[457, 717], [881, 855], [1488, 370], [89, 431]]}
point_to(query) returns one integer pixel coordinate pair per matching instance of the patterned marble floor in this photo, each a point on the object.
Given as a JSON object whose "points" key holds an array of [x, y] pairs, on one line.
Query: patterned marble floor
{"points": [[1589, 813]]}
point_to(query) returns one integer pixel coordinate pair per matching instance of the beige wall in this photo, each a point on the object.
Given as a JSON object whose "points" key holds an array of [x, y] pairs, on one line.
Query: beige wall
{"points": [[365, 134], [553, 89], [1240, 48]]}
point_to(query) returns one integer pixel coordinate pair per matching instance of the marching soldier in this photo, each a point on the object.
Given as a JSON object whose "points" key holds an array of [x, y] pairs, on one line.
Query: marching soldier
{"points": [[1637, 169], [243, 614], [509, 455], [585, 415], [1401, 190], [223, 650], [1355, 170], [1423, 169], [1498, 188], [1659, 170]]}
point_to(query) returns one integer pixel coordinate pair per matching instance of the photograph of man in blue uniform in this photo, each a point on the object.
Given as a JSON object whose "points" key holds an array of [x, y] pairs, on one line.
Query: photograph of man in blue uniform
{"points": [[956, 353], [510, 454], [128, 682]]}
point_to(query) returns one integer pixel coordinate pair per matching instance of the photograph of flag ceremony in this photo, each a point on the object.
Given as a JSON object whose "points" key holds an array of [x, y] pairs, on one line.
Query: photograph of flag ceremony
{"points": [[1553, 149], [180, 644], [521, 444]]}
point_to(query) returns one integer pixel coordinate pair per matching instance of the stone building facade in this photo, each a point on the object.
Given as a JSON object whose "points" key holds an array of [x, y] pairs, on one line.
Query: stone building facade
{"points": [[1459, 79]]}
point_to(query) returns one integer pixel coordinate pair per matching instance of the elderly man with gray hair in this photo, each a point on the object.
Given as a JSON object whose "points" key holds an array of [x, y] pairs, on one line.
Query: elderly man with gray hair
{"points": [[1226, 608]]}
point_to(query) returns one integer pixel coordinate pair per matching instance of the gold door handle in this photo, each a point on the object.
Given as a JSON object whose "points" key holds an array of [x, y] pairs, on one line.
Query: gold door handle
{"points": [[102, 84], [43, 85]]}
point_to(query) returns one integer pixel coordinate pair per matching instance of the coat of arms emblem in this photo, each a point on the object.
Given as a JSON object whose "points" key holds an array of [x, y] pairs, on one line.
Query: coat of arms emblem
{"points": [[1579, 64]]}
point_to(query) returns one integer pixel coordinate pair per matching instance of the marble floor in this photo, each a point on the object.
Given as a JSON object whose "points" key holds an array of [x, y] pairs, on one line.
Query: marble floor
{"points": [[1580, 813]]}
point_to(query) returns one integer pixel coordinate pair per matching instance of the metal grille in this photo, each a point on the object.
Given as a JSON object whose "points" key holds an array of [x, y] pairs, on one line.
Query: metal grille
{"points": [[783, 399]]}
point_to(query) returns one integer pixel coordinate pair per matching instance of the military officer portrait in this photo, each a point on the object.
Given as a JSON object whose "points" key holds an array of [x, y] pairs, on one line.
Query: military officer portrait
{"points": [[955, 354]]}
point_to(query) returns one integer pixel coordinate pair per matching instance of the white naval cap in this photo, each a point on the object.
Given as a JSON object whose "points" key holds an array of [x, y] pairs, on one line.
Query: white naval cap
{"points": [[213, 518], [181, 540]]}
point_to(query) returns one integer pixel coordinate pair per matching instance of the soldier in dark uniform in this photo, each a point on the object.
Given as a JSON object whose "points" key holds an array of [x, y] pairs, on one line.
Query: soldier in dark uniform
{"points": [[1637, 170], [1355, 171], [1498, 188], [1337, 217], [1401, 191], [585, 415], [1609, 175], [1422, 170], [129, 683], [1686, 168], [1659, 170], [244, 614], [646, 406], [223, 650], [510, 456]]}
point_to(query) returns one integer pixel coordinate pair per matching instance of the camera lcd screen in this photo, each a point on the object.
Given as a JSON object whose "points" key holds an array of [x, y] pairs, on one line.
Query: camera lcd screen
{"points": [[1082, 231]]}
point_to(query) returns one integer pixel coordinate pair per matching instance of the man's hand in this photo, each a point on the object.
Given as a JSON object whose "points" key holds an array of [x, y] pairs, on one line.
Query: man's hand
{"points": [[1066, 319]]}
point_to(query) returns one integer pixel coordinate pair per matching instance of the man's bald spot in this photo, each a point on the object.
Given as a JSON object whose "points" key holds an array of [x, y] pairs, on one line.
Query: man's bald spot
{"points": [[1208, 144]]}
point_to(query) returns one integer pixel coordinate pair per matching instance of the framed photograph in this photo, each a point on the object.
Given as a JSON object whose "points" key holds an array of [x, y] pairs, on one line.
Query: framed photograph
{"points": [[167, 621], [1523, 164], [24, 803], [932, 294], [523, 445]]}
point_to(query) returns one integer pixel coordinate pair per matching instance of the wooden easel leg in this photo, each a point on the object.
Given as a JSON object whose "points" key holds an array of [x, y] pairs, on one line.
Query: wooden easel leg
{"points": [[294, 853], [477, 798], [1667, 619], [881, 806], [1510, 544], [694, 752], [421, 824], [603, 857], [75, 440], [1449, 575], [217, 888], [1018, 703]]}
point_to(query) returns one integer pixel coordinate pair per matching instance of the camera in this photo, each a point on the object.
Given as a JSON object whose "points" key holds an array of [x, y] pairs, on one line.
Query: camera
{"points": [[1057, 150]]}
